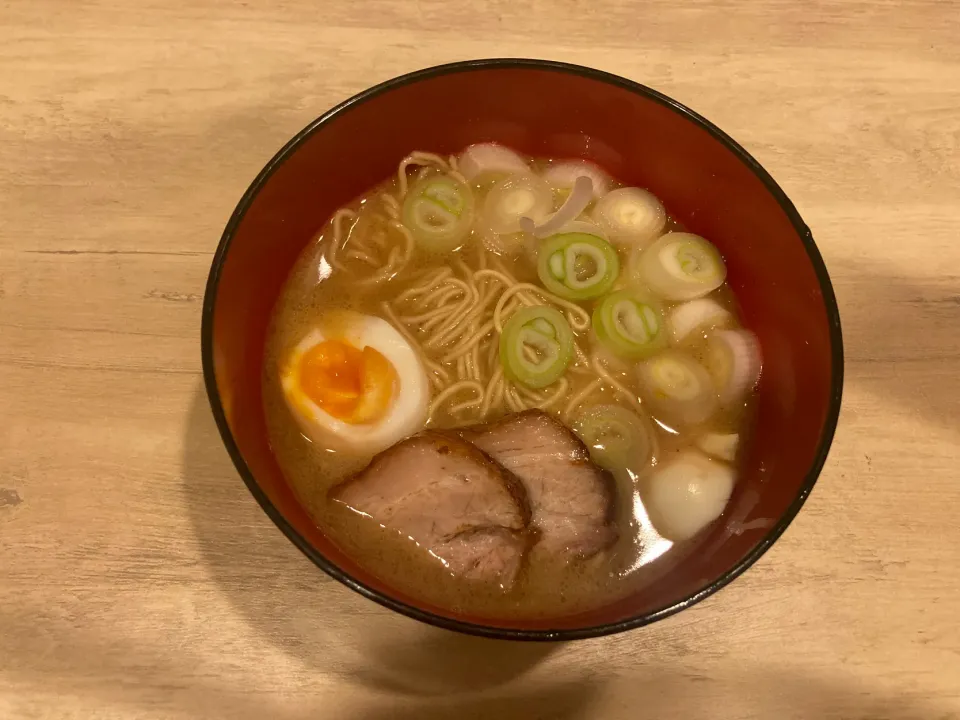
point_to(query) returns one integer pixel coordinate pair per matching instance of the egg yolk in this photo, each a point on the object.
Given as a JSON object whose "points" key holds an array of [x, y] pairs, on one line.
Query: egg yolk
{"points": [[353, 385]]}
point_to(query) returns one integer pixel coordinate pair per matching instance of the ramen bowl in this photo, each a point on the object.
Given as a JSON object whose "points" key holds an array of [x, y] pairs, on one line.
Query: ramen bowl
{"points": [[643, 138]]}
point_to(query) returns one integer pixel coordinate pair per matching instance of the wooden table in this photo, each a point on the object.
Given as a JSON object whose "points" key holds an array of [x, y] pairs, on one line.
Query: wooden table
{"points": [[138, 578]]}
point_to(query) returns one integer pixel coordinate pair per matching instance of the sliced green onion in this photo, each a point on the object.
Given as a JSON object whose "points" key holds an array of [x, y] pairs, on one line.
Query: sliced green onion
{"points": [[630, 215], [617, 438], [733, 360], [542, 326], [438, 210], [577, 266], [510, 199], [678, 388], [515, 197], [563, 175], [536, 346], [629, 326], [485, 160], [575, 204], [681, 266], [720, 445], [584, 226], [689, 320]]}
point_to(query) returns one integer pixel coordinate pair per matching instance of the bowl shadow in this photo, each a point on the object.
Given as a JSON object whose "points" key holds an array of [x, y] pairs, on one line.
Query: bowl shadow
{"points": [[901, 339], [748, 691], [291, 603], [415, 671]]}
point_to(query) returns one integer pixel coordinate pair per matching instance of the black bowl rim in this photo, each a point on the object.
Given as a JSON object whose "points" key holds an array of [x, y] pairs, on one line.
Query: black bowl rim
{"points": [[830, 302]]}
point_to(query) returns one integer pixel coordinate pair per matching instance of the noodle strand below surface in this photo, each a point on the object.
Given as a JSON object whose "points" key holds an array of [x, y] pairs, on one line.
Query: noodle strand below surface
{"points": [[464, 334], [454, 313]]}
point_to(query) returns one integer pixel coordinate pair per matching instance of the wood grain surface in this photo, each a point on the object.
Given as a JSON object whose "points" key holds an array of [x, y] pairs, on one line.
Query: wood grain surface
{"points": [[138, 578]]}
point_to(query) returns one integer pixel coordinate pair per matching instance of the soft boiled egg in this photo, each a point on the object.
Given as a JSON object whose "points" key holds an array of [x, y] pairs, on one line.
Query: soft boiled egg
{"points": [[354, 383]]}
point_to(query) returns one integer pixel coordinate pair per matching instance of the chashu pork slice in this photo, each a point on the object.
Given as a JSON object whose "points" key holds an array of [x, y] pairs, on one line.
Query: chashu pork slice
{"points": [[456, 502], [571, 498]]}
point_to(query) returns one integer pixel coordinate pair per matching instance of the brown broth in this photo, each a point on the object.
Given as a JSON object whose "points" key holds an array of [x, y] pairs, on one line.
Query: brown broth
{"points": [[548, 586]]}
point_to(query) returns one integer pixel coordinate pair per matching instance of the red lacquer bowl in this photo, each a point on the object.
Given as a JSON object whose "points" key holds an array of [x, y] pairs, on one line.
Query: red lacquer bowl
{"points": [[545, 109]]}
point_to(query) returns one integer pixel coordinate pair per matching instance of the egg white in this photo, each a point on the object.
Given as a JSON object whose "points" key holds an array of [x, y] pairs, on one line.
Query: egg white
{"points": [[407, 413]]}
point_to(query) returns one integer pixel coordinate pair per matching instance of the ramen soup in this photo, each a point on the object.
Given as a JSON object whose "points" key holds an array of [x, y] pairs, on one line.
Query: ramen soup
{"points": [[509, 386]]}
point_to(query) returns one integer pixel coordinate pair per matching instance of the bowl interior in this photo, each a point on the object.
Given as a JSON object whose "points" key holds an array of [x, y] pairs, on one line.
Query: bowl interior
{"points": [[545, 111]]}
